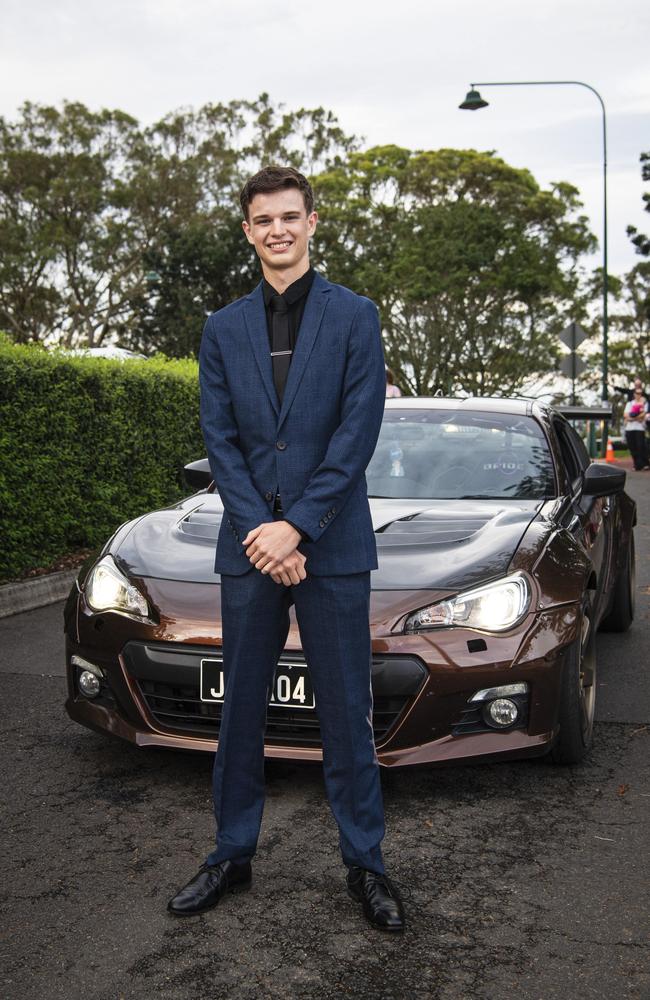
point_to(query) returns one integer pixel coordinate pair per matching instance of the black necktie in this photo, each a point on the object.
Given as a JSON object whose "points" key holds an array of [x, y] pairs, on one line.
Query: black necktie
{"points": [[280, 343]]}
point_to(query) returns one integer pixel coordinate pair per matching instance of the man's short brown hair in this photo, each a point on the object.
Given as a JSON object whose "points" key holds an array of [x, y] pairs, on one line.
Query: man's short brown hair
{"points": [[275, 179]]}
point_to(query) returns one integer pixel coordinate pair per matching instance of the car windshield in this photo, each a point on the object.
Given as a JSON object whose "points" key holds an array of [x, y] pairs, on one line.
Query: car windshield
{"points": [[444, 454]]}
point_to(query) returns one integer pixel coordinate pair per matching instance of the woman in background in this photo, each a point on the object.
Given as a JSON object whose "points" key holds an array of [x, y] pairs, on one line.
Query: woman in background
{"points": [[391, 389], [634, 414]]}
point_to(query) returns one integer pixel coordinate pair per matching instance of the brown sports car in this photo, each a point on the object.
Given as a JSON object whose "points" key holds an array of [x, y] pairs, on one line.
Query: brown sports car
{"points": [[502, 550]]}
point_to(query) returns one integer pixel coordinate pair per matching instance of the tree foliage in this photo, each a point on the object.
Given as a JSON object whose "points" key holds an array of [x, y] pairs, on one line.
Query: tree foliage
{"points": [[70, 249], [473, 265], [629, 353], [91, 203], [113, 230], [639, 240]]}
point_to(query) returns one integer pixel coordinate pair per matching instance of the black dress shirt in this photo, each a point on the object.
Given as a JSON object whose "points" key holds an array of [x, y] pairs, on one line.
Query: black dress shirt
{"points": [[295, 297]]}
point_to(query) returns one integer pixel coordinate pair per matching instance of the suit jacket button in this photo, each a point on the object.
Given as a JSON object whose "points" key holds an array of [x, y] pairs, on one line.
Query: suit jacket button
{"points": [[268, 495], [281, 445]]}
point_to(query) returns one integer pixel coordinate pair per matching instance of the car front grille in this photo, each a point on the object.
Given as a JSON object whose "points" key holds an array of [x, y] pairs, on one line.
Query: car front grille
{"points": [[168, 678]]}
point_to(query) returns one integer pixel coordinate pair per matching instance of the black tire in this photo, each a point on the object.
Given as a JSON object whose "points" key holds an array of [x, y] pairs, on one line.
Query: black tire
{"points": [[621, 613], [577, 697]]}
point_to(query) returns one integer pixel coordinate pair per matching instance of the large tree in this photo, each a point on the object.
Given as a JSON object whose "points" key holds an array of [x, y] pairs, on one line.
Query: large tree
{"points": [[475, 268], [70, 246], [629, 354], [109, 228], [641, 241], [193, 166], [114, 230]]}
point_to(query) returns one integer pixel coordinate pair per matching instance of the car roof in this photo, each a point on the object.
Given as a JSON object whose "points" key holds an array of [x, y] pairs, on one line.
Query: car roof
{"points": [[518, 406]]}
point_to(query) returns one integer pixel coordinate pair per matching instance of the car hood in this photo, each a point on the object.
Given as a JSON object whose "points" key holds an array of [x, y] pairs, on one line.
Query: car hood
{"points": [[421, 544]]}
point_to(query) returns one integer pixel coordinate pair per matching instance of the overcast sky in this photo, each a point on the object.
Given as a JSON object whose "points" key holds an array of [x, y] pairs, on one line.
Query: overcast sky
{"points": [[392, 73]]}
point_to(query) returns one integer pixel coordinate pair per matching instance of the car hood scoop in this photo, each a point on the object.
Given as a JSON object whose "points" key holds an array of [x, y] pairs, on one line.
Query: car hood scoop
{"points": [[421, 544], [201, 524], [447, 544]]}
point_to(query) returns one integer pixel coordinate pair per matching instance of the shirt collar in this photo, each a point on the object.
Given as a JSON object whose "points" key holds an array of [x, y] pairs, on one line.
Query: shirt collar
{"points": [[296, 290]]}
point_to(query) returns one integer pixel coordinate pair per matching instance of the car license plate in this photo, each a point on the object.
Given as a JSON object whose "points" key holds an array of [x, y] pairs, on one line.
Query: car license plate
{"points": [[291, 689]]}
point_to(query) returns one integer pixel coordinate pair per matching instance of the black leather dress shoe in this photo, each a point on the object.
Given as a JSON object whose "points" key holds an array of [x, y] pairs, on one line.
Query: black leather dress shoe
{"points": [[208, 886], [381, 901]]}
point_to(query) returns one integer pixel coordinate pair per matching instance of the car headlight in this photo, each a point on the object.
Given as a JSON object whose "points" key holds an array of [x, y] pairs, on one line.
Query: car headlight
{"points": [[107, 589], [493, 608]]}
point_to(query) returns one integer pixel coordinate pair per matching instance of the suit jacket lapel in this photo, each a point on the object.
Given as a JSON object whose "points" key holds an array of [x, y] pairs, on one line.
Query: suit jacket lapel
{"points": [[256, 327], [309, 327], [255, 318]]}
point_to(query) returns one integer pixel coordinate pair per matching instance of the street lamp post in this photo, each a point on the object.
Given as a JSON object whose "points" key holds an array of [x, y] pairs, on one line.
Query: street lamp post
{"points": [[474, 102]]}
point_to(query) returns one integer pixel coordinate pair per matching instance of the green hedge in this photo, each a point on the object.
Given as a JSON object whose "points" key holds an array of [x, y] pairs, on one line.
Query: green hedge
{"points": [[85, 444]]}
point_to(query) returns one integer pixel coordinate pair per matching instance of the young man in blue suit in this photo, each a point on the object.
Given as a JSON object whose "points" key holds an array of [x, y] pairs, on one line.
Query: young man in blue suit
{"points": [[292, 396]]}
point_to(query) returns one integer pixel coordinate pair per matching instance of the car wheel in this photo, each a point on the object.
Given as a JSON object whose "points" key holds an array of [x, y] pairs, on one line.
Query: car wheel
{"points": [[577, 697], [621, 613]]}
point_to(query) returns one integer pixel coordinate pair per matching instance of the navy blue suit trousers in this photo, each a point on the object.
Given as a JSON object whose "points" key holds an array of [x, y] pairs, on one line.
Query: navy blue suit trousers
{"points": [[333, 616]]}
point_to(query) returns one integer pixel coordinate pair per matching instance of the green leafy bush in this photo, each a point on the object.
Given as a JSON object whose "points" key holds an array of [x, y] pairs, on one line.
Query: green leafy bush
{"points": [[85, 444]]}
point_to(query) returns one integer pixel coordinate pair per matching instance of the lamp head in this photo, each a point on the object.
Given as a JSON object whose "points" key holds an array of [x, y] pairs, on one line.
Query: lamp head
{"points": [[473, 102]]}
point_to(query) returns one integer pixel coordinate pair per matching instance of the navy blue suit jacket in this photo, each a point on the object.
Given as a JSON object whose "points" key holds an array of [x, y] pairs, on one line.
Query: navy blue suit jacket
{"points": [[314, 448]]}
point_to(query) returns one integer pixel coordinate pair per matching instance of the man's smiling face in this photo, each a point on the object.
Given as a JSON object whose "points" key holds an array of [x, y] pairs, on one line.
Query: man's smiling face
{"points": [[279, 228]]}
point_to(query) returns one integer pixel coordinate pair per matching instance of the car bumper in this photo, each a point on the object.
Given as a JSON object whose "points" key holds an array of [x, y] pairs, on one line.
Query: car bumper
{"points": [[421, 725], [448, 749]]}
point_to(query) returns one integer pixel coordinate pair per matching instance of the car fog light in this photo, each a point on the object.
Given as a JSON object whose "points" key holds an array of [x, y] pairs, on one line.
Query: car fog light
{"points": [[89, 684], [501, 713]]}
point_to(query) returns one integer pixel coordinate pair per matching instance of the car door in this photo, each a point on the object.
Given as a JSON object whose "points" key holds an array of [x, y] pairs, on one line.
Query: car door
{"points": [[590, 516]]}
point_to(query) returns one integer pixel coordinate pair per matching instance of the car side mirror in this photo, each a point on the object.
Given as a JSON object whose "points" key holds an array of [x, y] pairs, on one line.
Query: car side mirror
{"points": [[197, 474], [601, 480]]}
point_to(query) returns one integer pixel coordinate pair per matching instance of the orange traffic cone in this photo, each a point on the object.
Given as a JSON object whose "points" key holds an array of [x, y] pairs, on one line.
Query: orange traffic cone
{"points": [[609, 454]]}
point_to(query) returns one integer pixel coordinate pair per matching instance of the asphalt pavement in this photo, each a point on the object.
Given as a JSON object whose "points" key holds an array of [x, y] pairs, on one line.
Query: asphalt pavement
{"points": [[520, 879]]}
